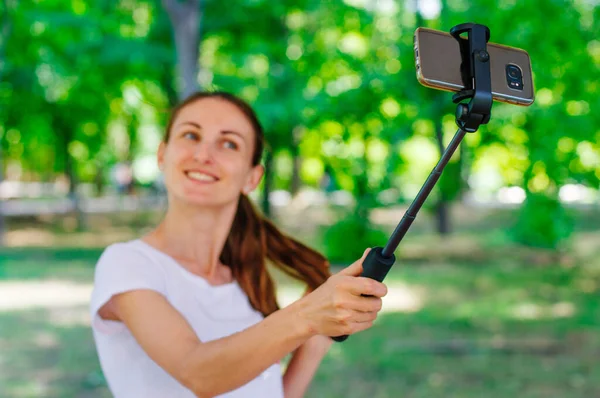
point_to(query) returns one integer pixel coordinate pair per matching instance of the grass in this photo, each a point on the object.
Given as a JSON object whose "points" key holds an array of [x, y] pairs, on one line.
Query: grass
{"points": [[468, 316]]}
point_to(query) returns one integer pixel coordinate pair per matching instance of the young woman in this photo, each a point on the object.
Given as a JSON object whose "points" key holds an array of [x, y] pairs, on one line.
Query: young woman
{"points": [[189, 309]]}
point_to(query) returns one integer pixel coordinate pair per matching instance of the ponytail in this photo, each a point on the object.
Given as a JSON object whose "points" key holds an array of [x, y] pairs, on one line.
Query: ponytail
{"points": [[251, 240]]}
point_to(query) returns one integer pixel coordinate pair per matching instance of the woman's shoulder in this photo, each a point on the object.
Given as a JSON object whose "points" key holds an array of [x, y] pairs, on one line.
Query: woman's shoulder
{"points": [[129, 247], [123, 248], [122, 267], [128, 253], [129, 261]]}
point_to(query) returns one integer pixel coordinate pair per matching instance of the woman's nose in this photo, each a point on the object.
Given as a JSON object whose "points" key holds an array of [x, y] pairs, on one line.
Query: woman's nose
{"points": [[204, 152]]}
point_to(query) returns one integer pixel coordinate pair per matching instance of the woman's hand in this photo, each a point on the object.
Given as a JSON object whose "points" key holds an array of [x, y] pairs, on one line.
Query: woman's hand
{"points": [[339, 306]]}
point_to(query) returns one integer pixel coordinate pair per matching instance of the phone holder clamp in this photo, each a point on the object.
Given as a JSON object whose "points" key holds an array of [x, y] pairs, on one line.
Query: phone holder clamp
{"points": [[476, 76]]}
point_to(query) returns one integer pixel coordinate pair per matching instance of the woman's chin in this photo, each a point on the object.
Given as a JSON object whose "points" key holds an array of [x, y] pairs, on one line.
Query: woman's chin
{"points": [[206, 200]]}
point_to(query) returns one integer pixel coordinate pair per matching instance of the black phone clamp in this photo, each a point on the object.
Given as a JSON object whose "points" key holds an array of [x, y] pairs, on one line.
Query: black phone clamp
{"points": [[476, 76], [475, 72]]}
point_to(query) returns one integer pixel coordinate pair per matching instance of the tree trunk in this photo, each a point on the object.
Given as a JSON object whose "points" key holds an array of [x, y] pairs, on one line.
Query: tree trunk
{"points": [[73, 194], [5, 32], [65, 130], [268, 184], [99, 182], [185, 18], [295, 182], [2, 220]]}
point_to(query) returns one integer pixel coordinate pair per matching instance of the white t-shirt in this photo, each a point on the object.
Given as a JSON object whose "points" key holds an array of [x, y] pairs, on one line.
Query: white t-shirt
{"points": [[212, 311]]}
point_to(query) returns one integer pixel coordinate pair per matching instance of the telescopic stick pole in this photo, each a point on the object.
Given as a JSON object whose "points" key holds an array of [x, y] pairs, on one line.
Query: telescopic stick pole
{"points": [[475, 72]]}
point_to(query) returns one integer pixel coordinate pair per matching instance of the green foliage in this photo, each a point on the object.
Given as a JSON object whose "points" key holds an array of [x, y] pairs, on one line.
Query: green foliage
{"points": [[543, 222], [346, 240], [87, 84], [451, 183]]}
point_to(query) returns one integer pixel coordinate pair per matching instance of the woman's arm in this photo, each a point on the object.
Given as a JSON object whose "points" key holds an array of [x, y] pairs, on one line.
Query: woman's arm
{"points": [[345, 304], [213, 367], [303, 365]]}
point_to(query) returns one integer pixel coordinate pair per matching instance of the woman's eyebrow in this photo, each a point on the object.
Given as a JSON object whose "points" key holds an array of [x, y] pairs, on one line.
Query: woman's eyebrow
{"points": [[192, 124], [223, 132]]}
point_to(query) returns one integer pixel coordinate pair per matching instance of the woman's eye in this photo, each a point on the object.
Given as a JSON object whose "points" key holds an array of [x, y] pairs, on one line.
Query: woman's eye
{"points": [[231, 144], [190, 135]]}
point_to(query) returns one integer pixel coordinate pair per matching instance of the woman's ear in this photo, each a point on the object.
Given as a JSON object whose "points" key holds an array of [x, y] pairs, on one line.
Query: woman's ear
{"points": [[160, 155], [253, 179]]}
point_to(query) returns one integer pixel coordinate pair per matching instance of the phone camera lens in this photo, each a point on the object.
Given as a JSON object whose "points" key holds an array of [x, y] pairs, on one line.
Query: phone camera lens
{"points": [[513, 72], [514, 77]]}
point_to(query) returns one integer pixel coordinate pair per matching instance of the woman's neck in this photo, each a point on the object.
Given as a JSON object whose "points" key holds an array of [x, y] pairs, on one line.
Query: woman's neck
{"points": [[195, 238]]}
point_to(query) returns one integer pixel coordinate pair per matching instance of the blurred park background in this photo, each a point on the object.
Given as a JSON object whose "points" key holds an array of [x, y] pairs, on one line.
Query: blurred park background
{"points": [[495, 289]]}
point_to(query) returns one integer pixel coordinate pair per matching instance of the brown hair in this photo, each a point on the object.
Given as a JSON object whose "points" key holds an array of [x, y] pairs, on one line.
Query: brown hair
{"points": [[253, 238]]}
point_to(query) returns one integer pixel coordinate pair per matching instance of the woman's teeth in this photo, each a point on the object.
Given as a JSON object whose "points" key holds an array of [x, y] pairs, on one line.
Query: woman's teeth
{"points": [[194, 175]]}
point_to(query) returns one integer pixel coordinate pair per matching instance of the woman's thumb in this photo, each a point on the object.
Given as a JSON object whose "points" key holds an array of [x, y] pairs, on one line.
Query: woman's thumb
{"points": [[356, 267]]}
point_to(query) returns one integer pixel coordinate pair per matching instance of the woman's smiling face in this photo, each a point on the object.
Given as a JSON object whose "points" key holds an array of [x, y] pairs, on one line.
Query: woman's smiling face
{"points": [[207, 159]]}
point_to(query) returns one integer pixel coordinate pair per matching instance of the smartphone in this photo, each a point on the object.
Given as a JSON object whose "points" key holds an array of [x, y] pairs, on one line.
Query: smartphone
{"points": [[437, 60]]}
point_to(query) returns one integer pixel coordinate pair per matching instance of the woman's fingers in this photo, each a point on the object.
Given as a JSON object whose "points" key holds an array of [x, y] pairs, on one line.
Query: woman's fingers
{"points": [[364, 304], [360, 317], [356, 267], [359, 327], [350, 321], [362, 286], [371, 287]]}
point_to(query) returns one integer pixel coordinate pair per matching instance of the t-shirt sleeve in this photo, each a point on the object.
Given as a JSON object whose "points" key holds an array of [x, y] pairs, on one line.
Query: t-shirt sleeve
{"points": [[122, 268]]}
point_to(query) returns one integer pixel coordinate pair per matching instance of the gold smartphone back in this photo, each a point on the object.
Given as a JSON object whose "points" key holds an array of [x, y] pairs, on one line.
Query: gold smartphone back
{"points": [[437, 59]]}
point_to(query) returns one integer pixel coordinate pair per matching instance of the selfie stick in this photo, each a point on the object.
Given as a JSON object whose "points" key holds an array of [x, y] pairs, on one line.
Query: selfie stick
{"points": [[475, 73]]}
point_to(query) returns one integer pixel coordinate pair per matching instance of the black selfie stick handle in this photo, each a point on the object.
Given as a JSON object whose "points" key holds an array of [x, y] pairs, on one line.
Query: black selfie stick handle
{"points": [[375, 266], [475, 71]]}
